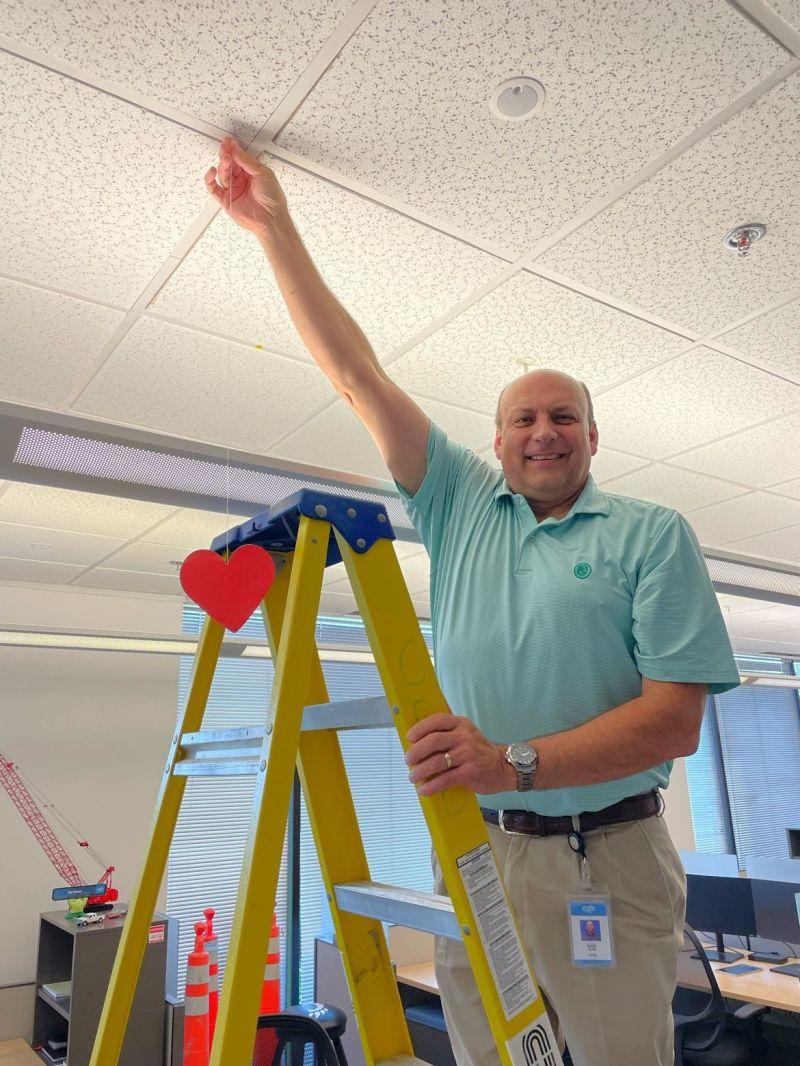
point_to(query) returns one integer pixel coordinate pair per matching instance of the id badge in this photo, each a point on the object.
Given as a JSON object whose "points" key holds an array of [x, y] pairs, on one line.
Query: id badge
{"points": [[590, 929]]}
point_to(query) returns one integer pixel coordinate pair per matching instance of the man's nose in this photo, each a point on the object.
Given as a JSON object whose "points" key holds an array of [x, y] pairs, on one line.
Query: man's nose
{"points": [[543, 430]]}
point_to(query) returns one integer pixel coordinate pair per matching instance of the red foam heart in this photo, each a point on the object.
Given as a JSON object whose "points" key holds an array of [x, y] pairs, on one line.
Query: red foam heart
{"points": [[229, 591]]}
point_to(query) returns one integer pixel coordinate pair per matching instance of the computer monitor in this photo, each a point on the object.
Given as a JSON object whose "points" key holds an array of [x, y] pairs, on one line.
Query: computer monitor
{"points": [[720, 905], [776, 904]]}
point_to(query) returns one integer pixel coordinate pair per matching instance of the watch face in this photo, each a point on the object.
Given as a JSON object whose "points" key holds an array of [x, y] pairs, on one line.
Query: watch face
{"points": [[522, 755]]}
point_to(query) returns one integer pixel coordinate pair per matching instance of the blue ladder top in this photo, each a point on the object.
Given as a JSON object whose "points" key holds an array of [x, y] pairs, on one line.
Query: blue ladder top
{"points": [[361, 523]]}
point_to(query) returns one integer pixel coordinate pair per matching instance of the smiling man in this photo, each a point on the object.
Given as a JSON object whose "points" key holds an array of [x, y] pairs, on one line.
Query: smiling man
{"points": [[576, 634]]}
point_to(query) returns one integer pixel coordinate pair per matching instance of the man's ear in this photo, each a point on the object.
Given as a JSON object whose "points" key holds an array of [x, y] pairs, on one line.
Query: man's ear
{"points": [[498, 440], [593, 438]]}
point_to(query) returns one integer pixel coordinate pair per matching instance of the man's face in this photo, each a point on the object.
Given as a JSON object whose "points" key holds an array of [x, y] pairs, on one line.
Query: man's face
{"points": [[544, 443], [590, 928]]}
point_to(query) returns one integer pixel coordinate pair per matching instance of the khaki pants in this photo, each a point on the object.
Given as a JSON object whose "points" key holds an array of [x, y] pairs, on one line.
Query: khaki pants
{"points": [[619, 1016]]}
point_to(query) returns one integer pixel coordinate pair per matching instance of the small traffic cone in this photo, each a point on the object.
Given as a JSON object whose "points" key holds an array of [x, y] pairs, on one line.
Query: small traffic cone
{"points": [[195, 1020], [211, 944], [266, 1039]]}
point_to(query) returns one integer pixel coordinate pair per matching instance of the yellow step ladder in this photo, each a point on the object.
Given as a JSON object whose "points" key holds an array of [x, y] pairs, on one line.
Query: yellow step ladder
{"points": [[304, 534]]}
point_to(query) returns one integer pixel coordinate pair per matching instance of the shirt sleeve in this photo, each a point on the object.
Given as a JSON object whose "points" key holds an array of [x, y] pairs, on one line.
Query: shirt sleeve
{"points": [[431, 506], [678, 629]]}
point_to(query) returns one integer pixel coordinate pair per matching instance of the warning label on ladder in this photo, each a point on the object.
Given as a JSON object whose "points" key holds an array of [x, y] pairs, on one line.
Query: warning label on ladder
{"points": [[504, 953], [535, 1046]]}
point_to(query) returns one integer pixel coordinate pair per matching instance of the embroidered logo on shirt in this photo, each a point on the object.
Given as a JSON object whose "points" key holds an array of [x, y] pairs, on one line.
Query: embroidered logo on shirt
{"points": [[582, 570]]}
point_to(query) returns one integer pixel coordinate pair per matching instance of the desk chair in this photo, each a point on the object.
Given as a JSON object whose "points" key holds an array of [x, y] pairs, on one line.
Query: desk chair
{"points": [[702, 1034], [294, 1034]]}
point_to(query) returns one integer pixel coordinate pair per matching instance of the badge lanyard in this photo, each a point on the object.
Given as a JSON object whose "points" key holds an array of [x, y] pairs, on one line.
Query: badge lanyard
{"points": [[588, 911]]}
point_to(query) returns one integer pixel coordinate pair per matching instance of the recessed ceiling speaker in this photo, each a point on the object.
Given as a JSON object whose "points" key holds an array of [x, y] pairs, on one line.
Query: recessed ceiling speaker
{"points": [[516, 99]]}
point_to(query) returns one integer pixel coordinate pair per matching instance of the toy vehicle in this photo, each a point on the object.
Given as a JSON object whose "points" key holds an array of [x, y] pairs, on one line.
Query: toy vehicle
{"points": [[89, 919]]}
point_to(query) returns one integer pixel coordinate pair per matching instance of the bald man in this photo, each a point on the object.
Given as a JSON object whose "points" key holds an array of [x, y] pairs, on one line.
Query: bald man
{"points": [[576, 635]]}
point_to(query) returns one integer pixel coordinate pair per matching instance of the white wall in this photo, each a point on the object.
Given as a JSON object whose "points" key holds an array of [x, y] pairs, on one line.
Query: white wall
{"points": [[678, 811], [92, 730]]}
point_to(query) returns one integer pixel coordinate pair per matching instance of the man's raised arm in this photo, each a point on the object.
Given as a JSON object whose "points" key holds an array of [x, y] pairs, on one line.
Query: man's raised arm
{"points": [[252, 196]]}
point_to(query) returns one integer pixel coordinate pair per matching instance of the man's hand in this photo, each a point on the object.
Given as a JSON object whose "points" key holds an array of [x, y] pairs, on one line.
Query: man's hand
{"points": [[472, 762], [248, 190]]}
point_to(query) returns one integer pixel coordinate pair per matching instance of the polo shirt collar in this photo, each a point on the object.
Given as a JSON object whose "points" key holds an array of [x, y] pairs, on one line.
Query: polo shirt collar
{"points": [[590, 501]]}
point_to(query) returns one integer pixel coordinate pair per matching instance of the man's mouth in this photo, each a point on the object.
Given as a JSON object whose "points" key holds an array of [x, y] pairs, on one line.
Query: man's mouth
{"points": [[545, 457]]}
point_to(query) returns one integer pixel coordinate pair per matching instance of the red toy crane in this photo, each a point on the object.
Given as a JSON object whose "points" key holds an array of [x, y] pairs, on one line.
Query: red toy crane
{"points": [[23, 800]]}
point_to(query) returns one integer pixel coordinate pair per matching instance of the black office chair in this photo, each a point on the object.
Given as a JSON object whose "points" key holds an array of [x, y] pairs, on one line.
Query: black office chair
{"points": [[295, 1030], [704, 1033]]}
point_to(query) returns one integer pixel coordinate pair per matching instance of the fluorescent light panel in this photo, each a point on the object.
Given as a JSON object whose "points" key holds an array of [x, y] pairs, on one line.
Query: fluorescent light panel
{"points": [[74, 454]]}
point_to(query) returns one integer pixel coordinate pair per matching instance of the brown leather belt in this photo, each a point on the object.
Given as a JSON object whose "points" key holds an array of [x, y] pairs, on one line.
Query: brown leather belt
{"points": [[645, 805]]}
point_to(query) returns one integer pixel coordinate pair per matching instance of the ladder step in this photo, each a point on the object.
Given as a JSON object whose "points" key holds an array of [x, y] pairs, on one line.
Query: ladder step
{"points": [[224, 752], [401, 1060], [401, 906]]}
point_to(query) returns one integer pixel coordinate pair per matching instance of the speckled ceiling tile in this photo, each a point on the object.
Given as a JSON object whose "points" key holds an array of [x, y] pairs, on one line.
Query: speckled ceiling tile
{"points": [[404, 108], [193, 385], [789, 10], [192, 527], [49, 342], [694, 398], [660, 247], [335, 440], [745, 516], [761, 456], [473, 357], [393, 275], [229, 64], [682, 489], [79, 512], [772, 341], [96, 191]]}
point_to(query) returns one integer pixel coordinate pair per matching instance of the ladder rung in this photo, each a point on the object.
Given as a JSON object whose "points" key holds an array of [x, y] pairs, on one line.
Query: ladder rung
{"points": [[402, 906], [223, 752]]}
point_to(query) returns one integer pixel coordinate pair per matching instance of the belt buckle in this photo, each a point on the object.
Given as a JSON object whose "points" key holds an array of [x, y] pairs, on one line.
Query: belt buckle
{"points": [[502, 825]]}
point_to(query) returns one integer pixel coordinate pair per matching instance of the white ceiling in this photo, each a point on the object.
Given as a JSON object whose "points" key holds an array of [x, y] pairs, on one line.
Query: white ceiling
{"points": [[587, 238]]}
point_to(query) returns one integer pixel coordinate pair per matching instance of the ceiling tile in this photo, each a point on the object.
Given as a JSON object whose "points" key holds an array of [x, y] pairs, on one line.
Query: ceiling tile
{"points": [[337, 603], [336, 441], [472, 358], [192, 529], [54, 545], [193, 385], [49, 342], [27, 570], [745, 516], [149, 558], [783, 545], [787, 488], [130, 581], [404, 107], [108, 187], [681, 489], [754, 457], [771, 341], [609, 464], [660, 247], [788, 9], [683, 403], [740, 604], [393, 275], [78, 512], [204, 59], [338, 573]]}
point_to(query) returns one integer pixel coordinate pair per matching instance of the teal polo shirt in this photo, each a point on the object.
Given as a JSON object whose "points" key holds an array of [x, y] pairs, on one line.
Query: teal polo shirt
{"points": [[540, 626]]}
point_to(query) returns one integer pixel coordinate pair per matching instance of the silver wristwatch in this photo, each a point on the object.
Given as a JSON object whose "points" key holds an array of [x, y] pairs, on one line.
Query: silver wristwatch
{"points": [[524, 759]]}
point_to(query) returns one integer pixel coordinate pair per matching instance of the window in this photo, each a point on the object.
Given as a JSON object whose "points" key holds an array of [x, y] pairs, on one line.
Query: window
{"points": [[743, 780]]}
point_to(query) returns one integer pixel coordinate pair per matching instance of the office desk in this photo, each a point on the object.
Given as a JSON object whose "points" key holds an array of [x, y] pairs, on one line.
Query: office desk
{"points": [[769, 989]]}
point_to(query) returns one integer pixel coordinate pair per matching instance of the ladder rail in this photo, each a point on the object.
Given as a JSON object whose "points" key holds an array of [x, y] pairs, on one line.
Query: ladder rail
{"points": [[133, 941]]}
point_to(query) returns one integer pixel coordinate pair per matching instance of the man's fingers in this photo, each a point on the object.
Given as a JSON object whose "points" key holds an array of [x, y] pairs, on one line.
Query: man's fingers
{"points": [[246, 161], [211, 184], [433, 724]]}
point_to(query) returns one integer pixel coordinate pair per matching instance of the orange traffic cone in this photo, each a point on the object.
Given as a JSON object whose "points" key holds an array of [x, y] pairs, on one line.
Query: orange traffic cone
{"points": [[195, 1020], [266, 1040], [211, 944]]}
